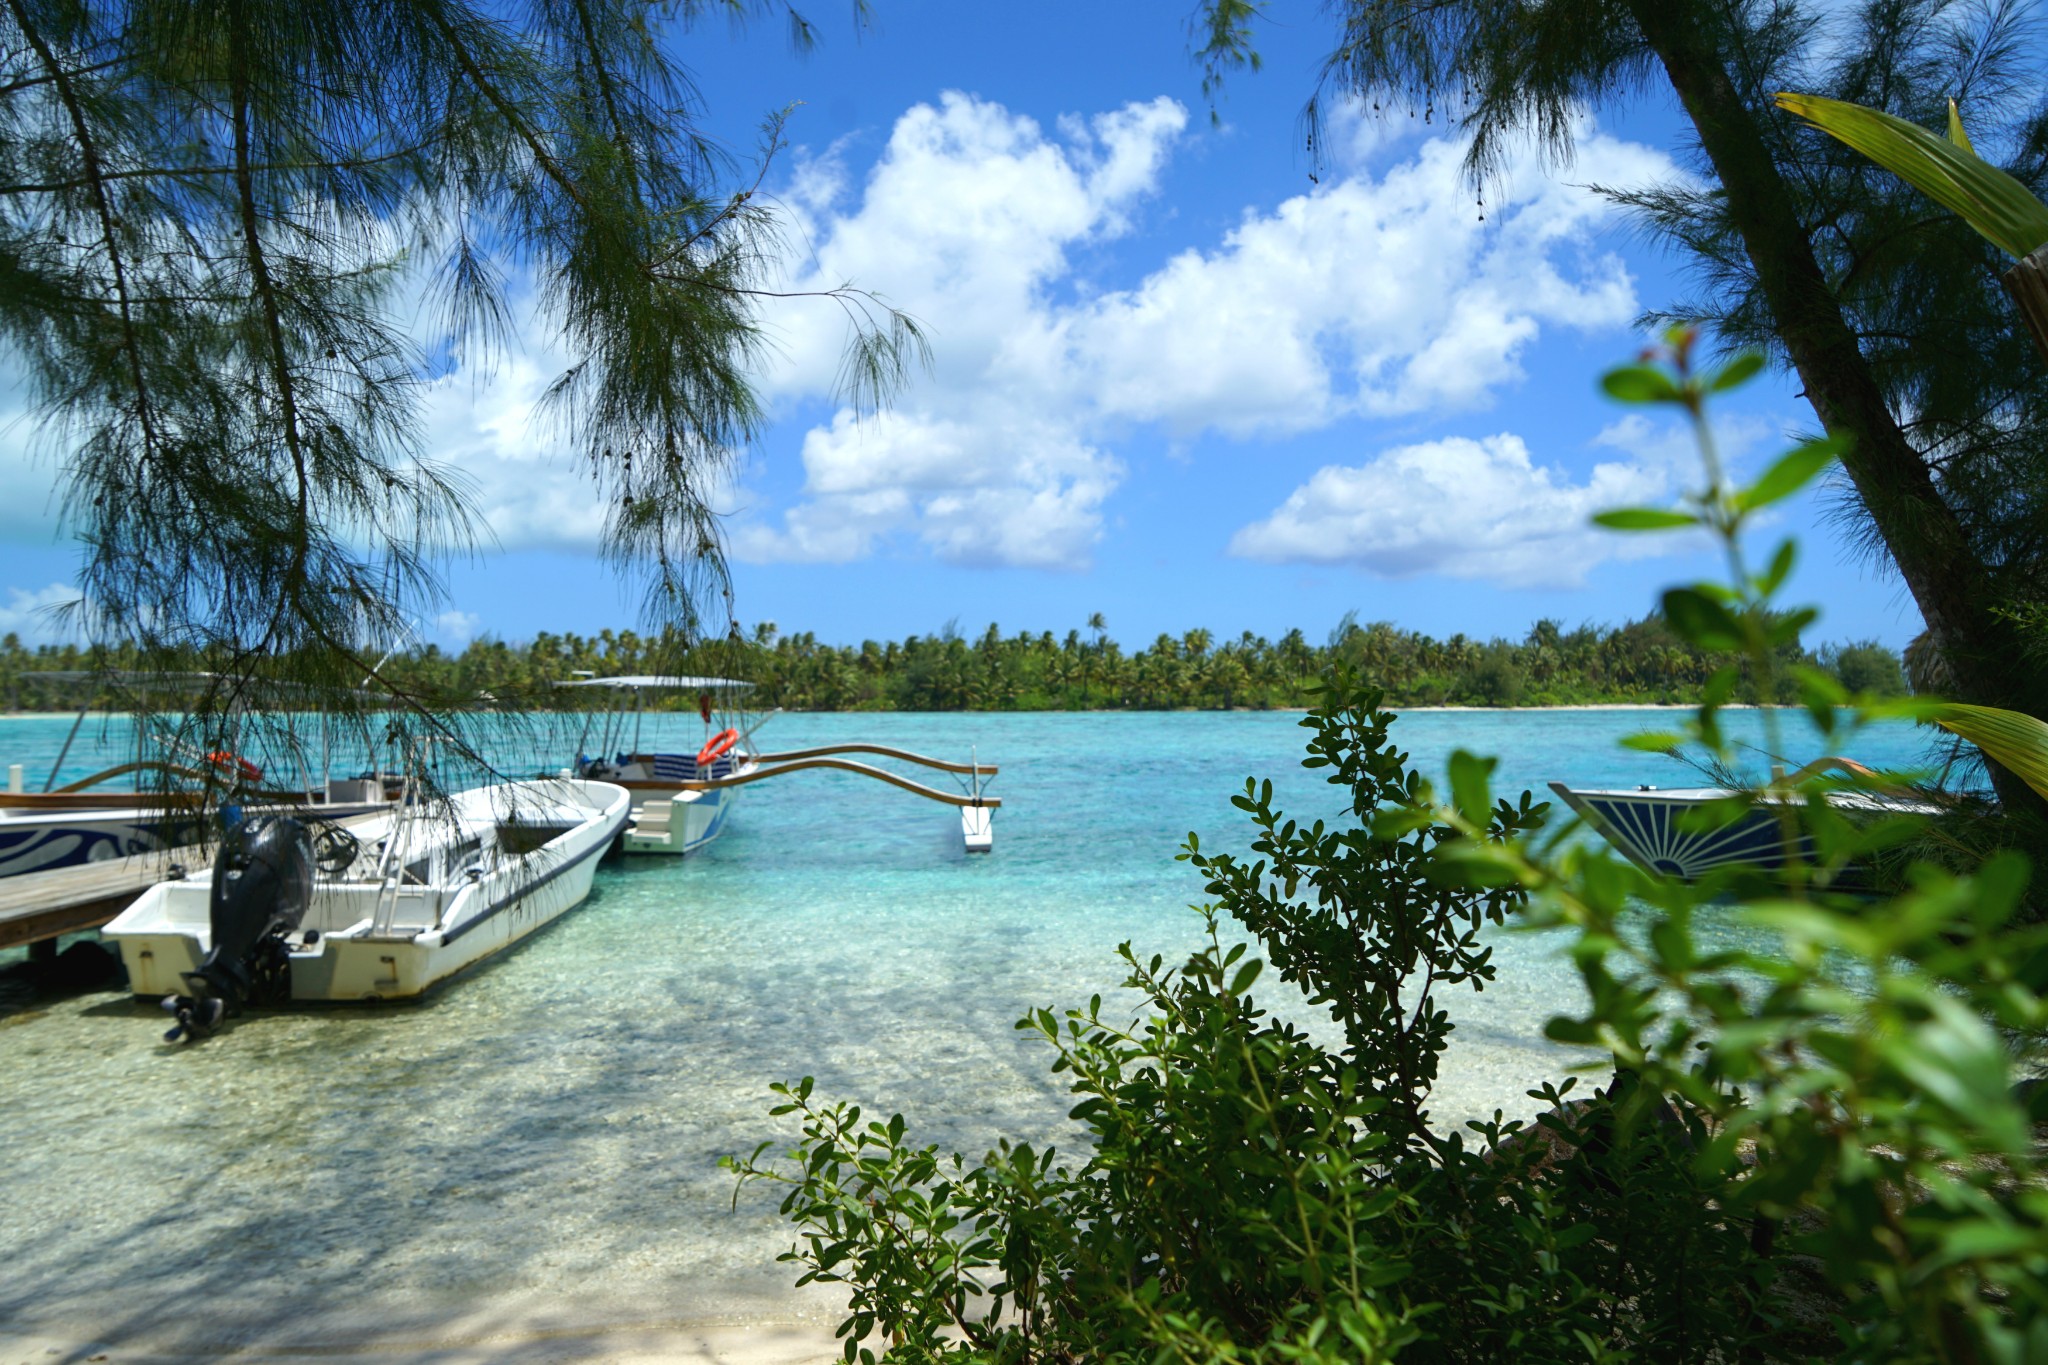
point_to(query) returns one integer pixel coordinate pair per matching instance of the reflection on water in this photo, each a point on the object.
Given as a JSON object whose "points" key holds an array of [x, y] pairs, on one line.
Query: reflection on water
{"points": [[547, 1127]]}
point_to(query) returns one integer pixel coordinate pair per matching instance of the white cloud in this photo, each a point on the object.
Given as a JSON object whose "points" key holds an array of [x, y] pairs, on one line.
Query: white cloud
{"points": [[29, 467], [459, 627], [1371, 297], [34, 614], [1379, 294], [1024, 492], [1486, 509], [1461, 508], [525, 485]]}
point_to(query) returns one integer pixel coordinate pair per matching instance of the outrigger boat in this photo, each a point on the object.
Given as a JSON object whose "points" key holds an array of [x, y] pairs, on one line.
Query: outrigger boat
{"points": [[1648, 825], [70, 826], [380, 909], [84, 822], [681, 801], [672, 811]]}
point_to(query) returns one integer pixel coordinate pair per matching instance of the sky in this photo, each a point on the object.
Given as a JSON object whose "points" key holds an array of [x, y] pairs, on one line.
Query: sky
{"points": [[1184, 373]]}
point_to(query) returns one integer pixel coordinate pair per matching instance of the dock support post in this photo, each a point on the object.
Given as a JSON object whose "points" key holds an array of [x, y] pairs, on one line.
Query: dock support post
{"points": [[14, 782]]}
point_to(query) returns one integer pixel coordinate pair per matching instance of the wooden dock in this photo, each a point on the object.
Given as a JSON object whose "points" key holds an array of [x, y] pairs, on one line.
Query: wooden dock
{"points": [[70, 900]]}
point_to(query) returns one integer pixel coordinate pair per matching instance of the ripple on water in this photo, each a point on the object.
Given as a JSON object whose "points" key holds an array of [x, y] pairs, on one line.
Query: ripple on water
{"points": [[547, 1128]]}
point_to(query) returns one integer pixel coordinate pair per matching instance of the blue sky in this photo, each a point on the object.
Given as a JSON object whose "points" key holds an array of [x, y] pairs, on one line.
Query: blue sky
{"points": [[1176, 381]]}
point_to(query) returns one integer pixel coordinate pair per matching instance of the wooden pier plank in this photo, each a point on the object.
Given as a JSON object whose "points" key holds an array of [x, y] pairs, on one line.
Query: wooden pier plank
{"points": [[69, 900]]}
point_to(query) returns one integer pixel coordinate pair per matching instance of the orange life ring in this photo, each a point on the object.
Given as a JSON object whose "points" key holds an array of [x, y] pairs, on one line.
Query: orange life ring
{"points": [[233, 762], [720, 742]]}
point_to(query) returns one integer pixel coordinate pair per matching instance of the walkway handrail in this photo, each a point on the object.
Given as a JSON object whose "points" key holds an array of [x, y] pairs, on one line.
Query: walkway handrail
{"points": [[988, 769], [122, 769], [799, 765]]}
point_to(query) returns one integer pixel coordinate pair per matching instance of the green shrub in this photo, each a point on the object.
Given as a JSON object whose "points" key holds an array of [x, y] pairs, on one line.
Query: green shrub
{"points": [[1866, 666], [1809, 1148]]}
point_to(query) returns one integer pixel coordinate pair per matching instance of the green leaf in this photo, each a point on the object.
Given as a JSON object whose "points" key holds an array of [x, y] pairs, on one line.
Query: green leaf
{"points": [[1736, 372], [1956, 135], [1654, 742], [1644, 519], [1246, 974], [1702, 620], [1640, 384], [1781, 565], [1990, 201], [1470, 791], [2012, 739], [1793, 471]]}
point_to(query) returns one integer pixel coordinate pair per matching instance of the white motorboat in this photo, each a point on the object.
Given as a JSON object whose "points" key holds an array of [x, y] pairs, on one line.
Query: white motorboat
{"points": [[381, 910]]}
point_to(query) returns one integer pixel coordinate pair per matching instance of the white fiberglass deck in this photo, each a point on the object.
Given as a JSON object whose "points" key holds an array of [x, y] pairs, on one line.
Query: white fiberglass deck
{"points": [[431, 890]]}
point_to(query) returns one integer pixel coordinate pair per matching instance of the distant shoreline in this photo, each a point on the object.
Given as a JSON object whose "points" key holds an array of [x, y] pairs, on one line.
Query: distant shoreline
{"points": [[1122, 710]]}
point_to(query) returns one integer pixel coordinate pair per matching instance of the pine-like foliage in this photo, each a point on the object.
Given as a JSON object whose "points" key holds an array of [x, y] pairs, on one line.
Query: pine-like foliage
{"points": [[237, 239]]}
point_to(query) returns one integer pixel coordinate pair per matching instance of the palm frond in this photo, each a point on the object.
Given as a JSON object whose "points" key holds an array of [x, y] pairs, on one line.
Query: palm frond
{"points": [[1949, 173]]}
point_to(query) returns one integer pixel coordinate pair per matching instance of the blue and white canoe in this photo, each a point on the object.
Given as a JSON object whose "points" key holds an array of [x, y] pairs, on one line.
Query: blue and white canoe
{"points": [[38, 841], [1648, 826]]}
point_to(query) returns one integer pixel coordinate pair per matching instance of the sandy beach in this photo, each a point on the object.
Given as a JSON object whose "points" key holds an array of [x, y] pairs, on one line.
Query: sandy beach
{"points": [[479, 1341]]}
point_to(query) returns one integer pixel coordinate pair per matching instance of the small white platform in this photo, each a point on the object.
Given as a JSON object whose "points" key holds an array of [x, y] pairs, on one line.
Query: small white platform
{"points": [[977, 824]]}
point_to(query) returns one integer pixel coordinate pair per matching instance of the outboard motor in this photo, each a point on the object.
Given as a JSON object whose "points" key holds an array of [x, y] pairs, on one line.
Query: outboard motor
{"points": [[262, 884]]}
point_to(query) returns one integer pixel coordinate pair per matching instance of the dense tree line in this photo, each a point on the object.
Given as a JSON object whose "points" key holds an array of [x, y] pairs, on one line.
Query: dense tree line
{"points": [[1642, 661]]}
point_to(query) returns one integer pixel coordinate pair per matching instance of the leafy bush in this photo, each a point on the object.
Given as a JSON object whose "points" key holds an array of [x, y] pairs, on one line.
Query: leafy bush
{"points": [[1865, 666], [1811, 1148]]}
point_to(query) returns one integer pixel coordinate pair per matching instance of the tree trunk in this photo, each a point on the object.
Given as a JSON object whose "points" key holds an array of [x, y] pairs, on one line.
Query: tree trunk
{"points": [[1948, 580]]}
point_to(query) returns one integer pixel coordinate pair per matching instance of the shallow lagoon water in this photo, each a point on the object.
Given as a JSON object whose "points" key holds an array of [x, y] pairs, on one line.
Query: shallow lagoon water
{"points": [[546, 1129]]}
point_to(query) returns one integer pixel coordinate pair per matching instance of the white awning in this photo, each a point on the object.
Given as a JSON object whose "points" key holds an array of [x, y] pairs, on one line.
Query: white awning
{"points": [[655, 681]]}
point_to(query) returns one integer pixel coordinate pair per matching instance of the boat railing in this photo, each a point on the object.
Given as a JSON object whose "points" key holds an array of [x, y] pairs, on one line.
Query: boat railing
{"points": [[977, 769], [391, 873], [977, 798]]}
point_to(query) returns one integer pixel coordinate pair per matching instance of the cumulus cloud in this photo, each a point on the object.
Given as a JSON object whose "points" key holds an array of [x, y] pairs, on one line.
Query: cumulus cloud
{"points": [[486, 426], [1023, 492], [1374, 296], [29, 467], [37, 615], [458, 627], [1487, 509], [1378, 295]]}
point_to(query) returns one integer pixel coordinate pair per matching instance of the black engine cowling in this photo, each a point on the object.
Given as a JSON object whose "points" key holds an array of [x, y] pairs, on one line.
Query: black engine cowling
{"points": [[262, 885]]}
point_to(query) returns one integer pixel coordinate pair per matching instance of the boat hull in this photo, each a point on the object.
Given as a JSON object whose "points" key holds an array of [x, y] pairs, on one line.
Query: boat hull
{"points": [[41, 840], [1649, 827], [667, 820], [167, 933], [40, 843]]}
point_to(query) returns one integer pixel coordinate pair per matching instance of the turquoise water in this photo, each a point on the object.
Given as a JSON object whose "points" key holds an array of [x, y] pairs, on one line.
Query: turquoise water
{"points": [[545, 1130]]}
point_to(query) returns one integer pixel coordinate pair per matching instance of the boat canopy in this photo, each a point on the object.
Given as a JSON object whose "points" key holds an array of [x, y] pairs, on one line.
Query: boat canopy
{"points": [[656, 682]]}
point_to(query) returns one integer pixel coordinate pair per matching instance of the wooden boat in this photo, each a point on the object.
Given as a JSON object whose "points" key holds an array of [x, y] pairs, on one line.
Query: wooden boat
{"points": [[681, 801], [381, 912]]}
